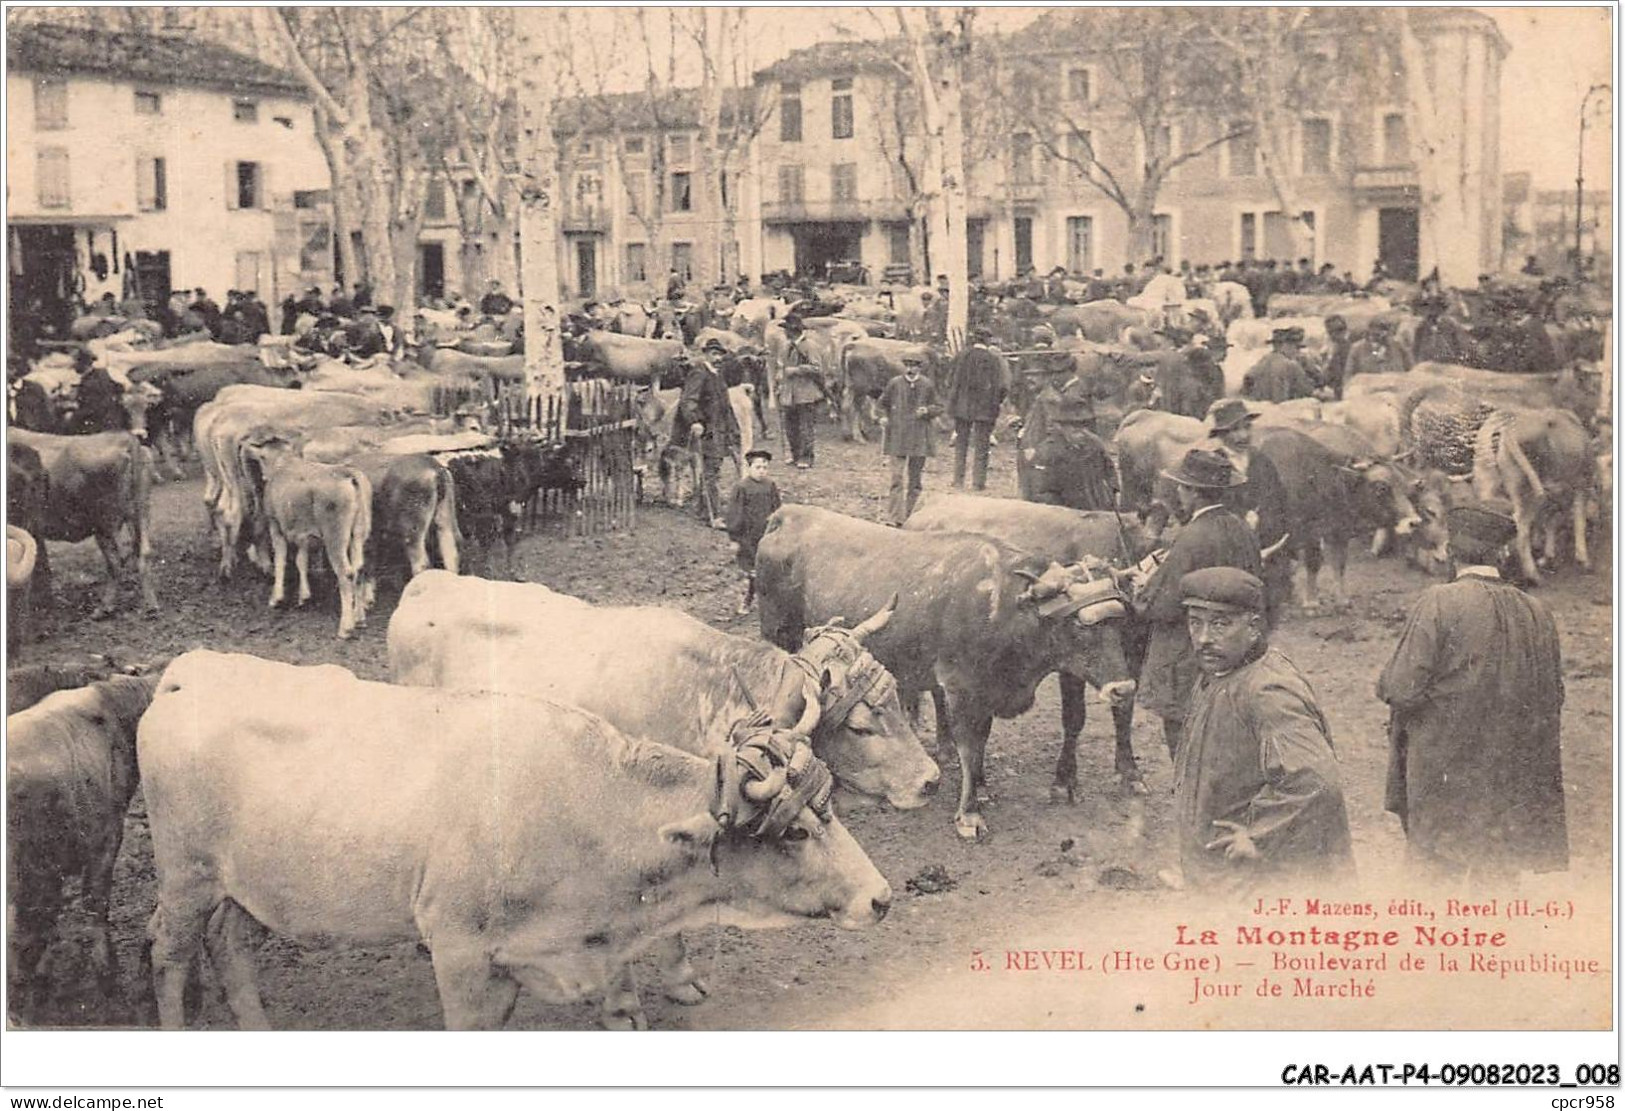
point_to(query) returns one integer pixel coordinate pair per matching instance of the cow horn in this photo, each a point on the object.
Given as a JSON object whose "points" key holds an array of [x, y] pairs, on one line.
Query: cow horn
{"points": [[1023, 573], [700, 829], [810, 710], [880, 619], [763, 790], [1275, 547], [21, 569]]}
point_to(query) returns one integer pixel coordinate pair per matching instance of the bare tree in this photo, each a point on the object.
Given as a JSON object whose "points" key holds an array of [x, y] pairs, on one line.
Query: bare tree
{"points": [[939, 41], [1155, 74], [535, 29]]}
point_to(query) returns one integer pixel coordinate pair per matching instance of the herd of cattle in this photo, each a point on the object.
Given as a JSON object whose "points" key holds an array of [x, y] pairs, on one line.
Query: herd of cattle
{"points": [[529, 815]]}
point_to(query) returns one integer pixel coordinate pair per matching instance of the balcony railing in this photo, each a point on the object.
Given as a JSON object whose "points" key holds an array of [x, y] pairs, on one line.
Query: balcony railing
{"points": [[829, 211], [1401, 178], [584, 220]]}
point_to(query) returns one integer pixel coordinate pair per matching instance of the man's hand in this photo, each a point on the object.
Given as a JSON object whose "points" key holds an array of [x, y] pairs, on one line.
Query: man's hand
{"points": [[1234, 841], [696, 429]]}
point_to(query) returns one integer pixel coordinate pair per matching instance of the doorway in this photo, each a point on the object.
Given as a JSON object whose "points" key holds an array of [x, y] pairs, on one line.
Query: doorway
{"points": [[152, 279], [1024, 245], [819, 245], [431, 270], [1399, 242], [44, 282], [586, 268], [975, 239]]}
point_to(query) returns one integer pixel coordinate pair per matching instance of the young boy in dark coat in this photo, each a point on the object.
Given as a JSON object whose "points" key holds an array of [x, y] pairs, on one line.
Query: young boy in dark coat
{"points": [[755, 497]]}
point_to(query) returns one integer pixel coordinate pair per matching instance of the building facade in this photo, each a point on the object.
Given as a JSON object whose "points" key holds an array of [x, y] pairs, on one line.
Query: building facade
{"points": [[137, 165]]}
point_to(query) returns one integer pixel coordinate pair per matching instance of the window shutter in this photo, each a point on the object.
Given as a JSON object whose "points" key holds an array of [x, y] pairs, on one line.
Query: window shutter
{"points": [[231, 185], [264, 183], [143, 199]]}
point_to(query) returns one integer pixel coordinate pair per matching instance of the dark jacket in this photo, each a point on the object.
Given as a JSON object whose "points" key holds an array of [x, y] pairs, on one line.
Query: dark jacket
{"points": [[978, 382], [705, 401], [753, 502], [1276, 377], [1215, 537], [907, 434]]}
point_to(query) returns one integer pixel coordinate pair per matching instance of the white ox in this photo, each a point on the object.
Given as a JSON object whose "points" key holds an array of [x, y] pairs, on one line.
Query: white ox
{"points": [[525, 843]]}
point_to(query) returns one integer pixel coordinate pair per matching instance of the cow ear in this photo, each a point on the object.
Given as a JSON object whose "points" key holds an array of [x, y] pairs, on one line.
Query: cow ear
{"points": [[696, 832]]}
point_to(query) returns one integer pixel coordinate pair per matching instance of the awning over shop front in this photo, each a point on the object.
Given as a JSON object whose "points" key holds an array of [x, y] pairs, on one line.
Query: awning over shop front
{"points": [[66, 220]]}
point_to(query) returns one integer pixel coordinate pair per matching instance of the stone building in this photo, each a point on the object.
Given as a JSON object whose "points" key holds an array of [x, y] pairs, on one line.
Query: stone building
{"points": [[138, 164]]}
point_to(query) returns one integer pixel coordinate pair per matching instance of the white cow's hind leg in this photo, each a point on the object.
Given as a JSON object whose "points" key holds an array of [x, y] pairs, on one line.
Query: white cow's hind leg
{"points": [[474, 993], [279, 565], [301, 559], [232, 939], [176, 930], [1582, 552], [623, 1006]]}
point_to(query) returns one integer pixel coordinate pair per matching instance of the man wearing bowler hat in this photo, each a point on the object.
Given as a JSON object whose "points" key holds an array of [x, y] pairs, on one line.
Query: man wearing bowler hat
{"points": [[1257, 792], [1279, 376], [1213, 536], [1475, 693], [1260, 500]]}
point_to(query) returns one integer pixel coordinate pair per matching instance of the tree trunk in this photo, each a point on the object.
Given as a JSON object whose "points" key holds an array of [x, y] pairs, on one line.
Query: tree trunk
{"points": [[350, 270], [954, 257], [707, 264], [1442, 216], [538, 201]]}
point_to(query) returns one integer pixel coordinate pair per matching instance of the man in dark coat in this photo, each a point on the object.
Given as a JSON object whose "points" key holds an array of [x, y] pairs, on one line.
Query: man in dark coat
{"points": [[1213, 536], [207, 311], [978, 381], [1336, 371], [1475, 689], [1258, 797], [1279, 376], [1440, 339], [495, 302], [1061, 459], [908, 410], [99, 400], [1378, 352], [1190, 382], [1261, 498], [713, 429]]}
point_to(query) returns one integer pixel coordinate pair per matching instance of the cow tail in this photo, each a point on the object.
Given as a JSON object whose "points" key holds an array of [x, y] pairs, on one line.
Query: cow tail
{"points": [[446, 517], [1509, 436], [361, 524]]}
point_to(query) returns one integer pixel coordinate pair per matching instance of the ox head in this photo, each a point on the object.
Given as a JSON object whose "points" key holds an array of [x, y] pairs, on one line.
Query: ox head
{"points": [[136, 400], [1428, 547], [1082, 612], [1384, 495], [774, 844], [862, 730]]}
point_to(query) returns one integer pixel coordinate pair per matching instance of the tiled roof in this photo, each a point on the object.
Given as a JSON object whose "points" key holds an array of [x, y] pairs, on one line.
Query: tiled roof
{"points": [[827, 59], [671, 109], [158, 59]]}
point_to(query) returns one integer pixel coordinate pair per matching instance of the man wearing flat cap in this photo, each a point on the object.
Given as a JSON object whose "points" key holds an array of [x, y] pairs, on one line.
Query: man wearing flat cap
{"points": [[713, 430], [1475, 692], [1279, 376], [1213, 536], [1257, 792]]}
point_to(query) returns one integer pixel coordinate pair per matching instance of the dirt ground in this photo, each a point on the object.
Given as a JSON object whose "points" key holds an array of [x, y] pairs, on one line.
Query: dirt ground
{"points": [[1081, 876]]}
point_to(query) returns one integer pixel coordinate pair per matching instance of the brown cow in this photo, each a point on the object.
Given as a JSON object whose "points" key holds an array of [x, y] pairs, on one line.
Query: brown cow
{"points": [[98, 486], [70, 774]]}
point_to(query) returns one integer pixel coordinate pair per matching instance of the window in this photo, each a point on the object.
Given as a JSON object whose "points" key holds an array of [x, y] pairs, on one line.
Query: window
{"points": [[316, 247], [313, 198], [1249, 235], [151, 184], [1317, 146], [50, 104], [589, 198], [897, 244], [840, 108], [1243, 156], [843, 182], [790, 113], [244, 185], [637, 193], [682, 196], [587, 148], [434, 200], [245, 111], [680, 148], [790, 185], [1080, 244], [1077, 86], [1021, 158], [1080, 151], [729, 200], [634, 146], [682, 260], [637, 263], [148, 104], [1396, 140], [1162, 237], [51, 174]]}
